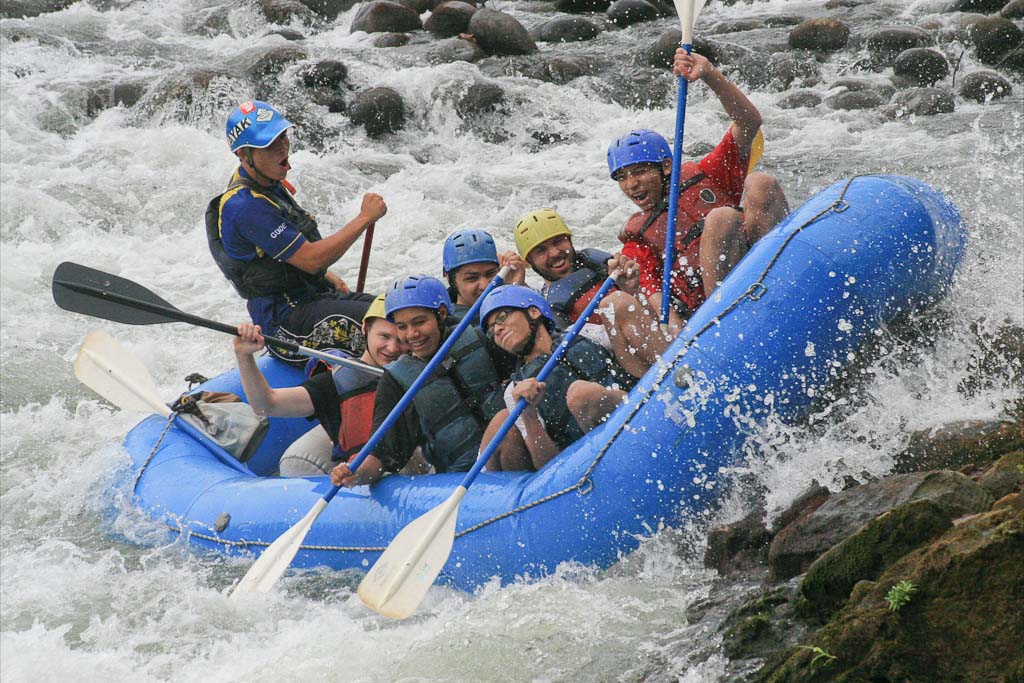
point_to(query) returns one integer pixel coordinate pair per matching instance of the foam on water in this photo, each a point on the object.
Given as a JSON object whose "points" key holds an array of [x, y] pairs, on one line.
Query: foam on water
{"points": [[93, 590]]}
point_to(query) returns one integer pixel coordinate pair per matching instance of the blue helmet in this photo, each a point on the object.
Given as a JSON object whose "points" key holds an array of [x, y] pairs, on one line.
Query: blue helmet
{"points": [[637, 147], [468, 246], [516, 296], [416, 291], [254, 124]]}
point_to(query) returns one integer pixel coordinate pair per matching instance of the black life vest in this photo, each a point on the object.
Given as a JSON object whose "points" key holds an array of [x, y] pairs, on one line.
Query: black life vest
{"points": [[457, 403], [357, 390], [263, 276], [698, 195], [570, 295]]}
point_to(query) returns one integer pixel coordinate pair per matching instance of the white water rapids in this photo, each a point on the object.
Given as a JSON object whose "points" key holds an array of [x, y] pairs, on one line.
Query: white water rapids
{"points": [[89, 589]]}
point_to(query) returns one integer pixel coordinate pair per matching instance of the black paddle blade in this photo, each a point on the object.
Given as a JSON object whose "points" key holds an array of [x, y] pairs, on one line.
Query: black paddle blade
{"points": [[92, 292]]}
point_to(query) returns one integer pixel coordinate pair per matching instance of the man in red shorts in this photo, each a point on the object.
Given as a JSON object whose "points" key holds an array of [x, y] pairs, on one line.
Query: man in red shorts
{"points": [[712, 231]]}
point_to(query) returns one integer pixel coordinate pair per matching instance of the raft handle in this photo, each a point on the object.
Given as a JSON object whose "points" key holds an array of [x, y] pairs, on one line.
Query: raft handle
{"points": [[585, 485], [840, 205]]}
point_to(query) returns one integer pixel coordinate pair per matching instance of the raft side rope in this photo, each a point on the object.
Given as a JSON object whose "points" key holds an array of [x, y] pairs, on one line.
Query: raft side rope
{"points": [[156, 446], [584, 484]]}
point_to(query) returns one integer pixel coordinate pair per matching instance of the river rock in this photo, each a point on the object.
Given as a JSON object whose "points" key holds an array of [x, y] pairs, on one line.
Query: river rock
{"points": [[208, 21], [1005, 476], [739, 546], [1013, 10], [963, 617], [480, 98], [854, 100], [858, 84], [389, 39], [885, 44], [956, 444], [23, 9], [422, 6], [993, 37], [921, 66], [560, 69], [983, 86], [284, 11], [800, 98], [581, 6], [384, 16], [863, 555], [628, 12], [450, 18], [787, 69], [329, 73], [819, 34], [797, 545], [566, 30], [454, 50], [329, 9], [264, 61], [500, 34], [983, 6], [737, 25], [379, 110]]}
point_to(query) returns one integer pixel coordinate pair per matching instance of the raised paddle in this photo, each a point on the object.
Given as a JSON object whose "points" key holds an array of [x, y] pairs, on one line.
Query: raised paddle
{"points": [[404, 572], [116, 374], [81, 289], [364, 261], [270, 565], [688, 11]]}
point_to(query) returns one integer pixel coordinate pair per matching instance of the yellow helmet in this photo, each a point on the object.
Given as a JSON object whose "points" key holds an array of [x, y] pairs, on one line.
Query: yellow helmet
{"points": [[538, 226], [376, 310]]}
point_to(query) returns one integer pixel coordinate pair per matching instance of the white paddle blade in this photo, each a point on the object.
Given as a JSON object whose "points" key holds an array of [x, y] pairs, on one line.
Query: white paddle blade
{"points": [[278, 556], [116, 374], [405, 571], [688, 11]]}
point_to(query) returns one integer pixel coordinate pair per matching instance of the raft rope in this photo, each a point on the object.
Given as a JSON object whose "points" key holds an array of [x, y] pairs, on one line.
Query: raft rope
{"points": [[149, 458], [584, 484]]}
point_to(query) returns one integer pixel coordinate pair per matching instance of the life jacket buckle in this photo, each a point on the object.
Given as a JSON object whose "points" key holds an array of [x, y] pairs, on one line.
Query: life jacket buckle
{"points": [[840, 205], [756, 291]]}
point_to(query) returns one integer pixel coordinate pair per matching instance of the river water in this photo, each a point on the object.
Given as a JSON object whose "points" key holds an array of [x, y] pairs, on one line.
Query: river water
{"points": [[90, 589]]}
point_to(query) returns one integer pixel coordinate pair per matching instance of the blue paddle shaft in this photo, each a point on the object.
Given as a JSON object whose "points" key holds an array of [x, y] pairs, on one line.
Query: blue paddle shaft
{"points": [[404, 402], [520, 405], [673, 198]]}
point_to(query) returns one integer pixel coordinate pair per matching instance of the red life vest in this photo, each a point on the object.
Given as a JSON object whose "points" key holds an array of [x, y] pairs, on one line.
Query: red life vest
{"points": [[570, 296], [698, 195], [357, 391]]}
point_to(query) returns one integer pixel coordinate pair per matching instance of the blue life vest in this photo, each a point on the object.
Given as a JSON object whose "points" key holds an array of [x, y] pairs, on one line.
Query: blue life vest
{"points": [[570, 295], [264, 276], [457, 403]]}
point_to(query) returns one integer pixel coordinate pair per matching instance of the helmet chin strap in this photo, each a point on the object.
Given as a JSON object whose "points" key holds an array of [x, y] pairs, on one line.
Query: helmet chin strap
{"points": [[258, 176]]}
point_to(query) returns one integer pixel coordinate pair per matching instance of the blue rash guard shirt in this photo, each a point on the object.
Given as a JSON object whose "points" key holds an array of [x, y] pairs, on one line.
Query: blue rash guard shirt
{"points": [[250, 227]]}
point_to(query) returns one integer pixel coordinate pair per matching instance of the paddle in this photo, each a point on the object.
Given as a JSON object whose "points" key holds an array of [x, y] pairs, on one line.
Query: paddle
{"points": [[402, 574], [116, 374], [270, 565], [80, 289], [688, 11], [364, 261]]}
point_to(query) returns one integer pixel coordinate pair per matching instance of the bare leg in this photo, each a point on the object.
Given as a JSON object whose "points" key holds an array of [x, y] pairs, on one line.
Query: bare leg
{"points": [[590, 403], [764, 205], [675, 323], [512, 455], [633, 329], [722, 244]]}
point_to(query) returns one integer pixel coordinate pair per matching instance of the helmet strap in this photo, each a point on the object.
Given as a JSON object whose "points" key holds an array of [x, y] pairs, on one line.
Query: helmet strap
{"points": [[255, 172]]}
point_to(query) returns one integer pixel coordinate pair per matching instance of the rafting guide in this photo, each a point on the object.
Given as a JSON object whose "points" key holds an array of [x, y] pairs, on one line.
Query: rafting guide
{"points": [[271, 249]]}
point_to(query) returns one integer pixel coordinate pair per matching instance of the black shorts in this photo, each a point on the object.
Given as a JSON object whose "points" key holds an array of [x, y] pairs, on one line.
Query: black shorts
{"points": [[330, 321]]}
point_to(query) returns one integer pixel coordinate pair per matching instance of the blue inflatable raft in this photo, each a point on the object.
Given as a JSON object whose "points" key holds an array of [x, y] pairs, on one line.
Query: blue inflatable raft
{"points": [[770, 339]]}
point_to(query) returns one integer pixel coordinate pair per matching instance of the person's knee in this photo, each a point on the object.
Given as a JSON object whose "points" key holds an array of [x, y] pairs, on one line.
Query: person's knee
{"points": [[762, 188], [723, 225]]}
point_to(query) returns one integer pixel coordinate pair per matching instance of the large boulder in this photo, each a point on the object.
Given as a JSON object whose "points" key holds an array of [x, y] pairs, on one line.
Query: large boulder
{"points": [[625, 13], [500, 34], [454, 50], [799, 98], [800, 543], [885, 44], [921, 66], [1013, 10], [328, 73], [379, 110], [284, 11], [956, 444], [480, 98], [329, 9], [384, 16], [450, 18], [983, 6], [1006, 476], [566, 30], [390, 39], [22, 9], [266, 61], [993, 37], [819, 34], [561, 69], [852, 100], [581, 6], [982, 86]]}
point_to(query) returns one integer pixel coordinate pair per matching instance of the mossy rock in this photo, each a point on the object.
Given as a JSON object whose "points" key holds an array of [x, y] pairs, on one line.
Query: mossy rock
{"points": [[866, 553], [962, 624]]}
